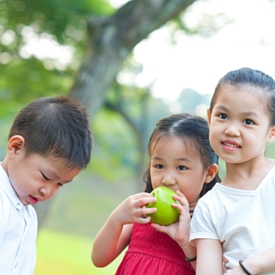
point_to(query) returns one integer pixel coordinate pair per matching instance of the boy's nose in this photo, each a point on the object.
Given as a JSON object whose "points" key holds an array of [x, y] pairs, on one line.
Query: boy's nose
{"points": [[43, 191], [47, 192]]}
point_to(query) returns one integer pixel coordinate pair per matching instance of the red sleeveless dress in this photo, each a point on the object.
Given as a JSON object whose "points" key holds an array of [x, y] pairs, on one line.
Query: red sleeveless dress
{"points": [[153, 253]]}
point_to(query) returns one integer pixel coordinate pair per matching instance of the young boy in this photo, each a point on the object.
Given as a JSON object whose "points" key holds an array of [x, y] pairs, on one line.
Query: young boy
{"points": [[49, 143]]}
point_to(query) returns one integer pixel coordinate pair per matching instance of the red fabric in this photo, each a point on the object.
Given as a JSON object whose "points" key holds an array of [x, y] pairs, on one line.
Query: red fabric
{"points": [[153, 253]]}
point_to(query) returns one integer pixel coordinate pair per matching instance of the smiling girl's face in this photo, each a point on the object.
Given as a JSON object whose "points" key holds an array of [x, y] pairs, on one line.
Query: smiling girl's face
{"points": [[239, 124]]}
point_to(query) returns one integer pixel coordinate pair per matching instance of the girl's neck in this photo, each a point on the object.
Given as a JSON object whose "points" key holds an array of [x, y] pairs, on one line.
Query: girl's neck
{"points": [[248, 175]]}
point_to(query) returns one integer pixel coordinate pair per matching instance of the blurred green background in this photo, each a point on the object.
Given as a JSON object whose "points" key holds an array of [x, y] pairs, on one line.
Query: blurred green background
{"points": [[86, 49]]}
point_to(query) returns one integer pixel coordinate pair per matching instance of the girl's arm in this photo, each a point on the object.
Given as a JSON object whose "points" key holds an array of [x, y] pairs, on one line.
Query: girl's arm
{"points": [[115, 234], [209, 257], [258, 264]]}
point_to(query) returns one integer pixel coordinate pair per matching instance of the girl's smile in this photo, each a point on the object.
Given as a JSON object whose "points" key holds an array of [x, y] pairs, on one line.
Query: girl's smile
{"points": [[230, 145], [239, 124]]}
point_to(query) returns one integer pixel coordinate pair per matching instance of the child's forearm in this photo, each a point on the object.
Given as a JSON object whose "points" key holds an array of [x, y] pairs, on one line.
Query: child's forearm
{"points": [[105, 244], [258, 264], [261, 263], [209, 257]]}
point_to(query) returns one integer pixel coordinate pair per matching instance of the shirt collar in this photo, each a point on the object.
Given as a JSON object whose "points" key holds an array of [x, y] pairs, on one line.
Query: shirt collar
{"points": [[8, 189]]}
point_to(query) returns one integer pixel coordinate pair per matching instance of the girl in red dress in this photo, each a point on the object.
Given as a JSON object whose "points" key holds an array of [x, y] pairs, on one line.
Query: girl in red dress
{"points": [[180, 158]]}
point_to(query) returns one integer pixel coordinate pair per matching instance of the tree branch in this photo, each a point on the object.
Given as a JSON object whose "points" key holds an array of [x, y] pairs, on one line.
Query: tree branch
{"points": [[112, 39]]}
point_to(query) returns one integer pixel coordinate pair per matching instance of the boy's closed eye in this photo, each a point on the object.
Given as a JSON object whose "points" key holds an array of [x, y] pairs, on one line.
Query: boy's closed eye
{"points": [[59, 184], [45, 176]]}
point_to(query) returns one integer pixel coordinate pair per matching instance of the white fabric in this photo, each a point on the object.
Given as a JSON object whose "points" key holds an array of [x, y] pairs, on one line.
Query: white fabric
{"points": [[243, 221], [18, 230]]}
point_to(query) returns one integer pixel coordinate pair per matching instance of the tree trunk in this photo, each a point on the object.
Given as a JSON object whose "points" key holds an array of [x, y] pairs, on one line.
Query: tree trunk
{"points": [[110, 40]]}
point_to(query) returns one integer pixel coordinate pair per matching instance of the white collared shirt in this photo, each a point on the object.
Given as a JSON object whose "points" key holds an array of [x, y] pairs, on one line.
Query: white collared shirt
{"points": [[18, 230]]}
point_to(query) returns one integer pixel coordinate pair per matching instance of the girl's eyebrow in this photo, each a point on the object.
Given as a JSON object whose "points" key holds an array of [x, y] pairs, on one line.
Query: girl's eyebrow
{"points": [[221, 107], [248, 113], [182, 159], [156, 158]]}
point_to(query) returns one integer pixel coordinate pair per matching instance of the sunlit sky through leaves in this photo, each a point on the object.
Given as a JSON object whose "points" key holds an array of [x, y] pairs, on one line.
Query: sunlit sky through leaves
{"points": [[198, 63]]}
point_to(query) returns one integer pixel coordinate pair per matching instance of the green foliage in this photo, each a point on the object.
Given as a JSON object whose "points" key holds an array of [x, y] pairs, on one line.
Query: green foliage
{"points": [[63, 22], [270, 150], [55, 17], [20, 85], [114, 146]]}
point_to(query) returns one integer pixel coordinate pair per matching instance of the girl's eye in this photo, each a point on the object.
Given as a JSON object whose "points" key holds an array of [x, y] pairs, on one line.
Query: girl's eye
{"points": [[248, 122], [60, 184], [181, 167], [222, 116], [159, 166]]}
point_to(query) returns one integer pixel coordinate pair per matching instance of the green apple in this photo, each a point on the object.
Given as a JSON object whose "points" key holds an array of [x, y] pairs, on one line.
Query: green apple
{"points": [[166, 214]]}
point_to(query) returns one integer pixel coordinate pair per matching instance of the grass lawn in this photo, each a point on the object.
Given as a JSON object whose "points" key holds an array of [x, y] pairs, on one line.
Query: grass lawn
{"points": [[65, 254]]}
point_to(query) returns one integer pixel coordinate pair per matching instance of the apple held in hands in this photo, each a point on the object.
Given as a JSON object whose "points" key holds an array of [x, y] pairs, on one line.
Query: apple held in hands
{"points": [[166, 214]]}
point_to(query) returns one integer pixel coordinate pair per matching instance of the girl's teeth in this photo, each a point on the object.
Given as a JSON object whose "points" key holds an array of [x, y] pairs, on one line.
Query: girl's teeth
{"points": [[230, 145]]}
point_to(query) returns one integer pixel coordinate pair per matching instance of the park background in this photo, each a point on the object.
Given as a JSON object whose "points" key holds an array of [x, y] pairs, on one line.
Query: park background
{"points": [[131, 63]]}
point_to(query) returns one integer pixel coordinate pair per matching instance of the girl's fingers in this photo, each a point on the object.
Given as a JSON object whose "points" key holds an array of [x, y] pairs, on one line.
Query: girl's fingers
{"points": [[180, 198], [146, 200], [144, 211], [142, 199]]}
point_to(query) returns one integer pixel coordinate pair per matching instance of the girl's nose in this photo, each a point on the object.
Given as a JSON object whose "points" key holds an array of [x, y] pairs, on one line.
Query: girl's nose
{"points": [[168, 179], [232, 130]]}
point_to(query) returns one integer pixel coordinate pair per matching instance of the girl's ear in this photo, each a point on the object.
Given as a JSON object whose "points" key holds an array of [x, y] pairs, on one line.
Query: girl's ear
{"points": [[16, 144], [271, 136], [212, 170]]}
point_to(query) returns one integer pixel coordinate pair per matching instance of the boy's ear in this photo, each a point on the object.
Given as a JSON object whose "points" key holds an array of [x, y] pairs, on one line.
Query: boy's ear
{"points": [[271, 136], [208, 115], [212, 170], [15, 144]]}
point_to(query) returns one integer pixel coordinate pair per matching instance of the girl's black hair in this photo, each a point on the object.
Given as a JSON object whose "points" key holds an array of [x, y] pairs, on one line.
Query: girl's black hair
{"points": [[189, 128], [250, 78]]}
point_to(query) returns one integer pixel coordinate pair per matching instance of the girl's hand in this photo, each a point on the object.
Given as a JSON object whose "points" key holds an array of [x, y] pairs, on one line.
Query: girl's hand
{"points": [[133, 210], [180, 230]]}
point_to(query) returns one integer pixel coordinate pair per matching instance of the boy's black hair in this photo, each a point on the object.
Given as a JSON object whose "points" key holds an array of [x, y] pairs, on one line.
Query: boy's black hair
{"points": [[55, 126]]}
